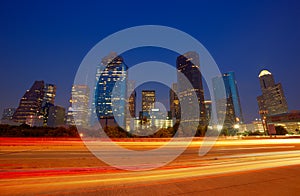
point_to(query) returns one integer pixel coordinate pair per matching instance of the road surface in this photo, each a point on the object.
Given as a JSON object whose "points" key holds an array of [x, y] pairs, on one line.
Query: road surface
{"points": [[232, 166]]}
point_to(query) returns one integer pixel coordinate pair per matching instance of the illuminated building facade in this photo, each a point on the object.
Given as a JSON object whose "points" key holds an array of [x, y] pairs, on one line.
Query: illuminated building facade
{"points": [[131, 104], [79, 110], [233, 113], [131, 98], [290, 121], [111, 90], [31, 103], [272, 101], [155, 118], [189, 65], [208, 109], [174, 102], [48, 101], [148, 100]]}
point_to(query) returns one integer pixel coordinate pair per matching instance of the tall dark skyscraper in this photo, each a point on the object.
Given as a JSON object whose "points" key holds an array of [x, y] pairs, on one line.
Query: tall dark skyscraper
{"points": [[31, 103], [272, 101], [131, 104], [233, 113], [111, 104], [189, 65], [131, 95], [56, 116]]}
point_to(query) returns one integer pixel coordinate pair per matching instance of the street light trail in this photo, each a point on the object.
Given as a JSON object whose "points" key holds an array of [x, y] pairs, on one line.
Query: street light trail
{"points": [[226, 158]]}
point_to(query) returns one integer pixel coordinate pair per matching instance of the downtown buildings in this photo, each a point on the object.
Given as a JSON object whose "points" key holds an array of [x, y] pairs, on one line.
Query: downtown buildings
{"points": [[35, 105], [152, 116], [114, 98]]}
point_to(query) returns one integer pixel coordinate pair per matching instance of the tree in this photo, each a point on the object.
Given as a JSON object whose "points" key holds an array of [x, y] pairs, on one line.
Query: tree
{"points": [[201, 130], [280, 130], [224, 132]]}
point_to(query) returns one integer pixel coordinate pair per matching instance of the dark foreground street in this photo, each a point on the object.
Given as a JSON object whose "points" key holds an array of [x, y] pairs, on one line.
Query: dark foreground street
{"points": [[232, 167]]}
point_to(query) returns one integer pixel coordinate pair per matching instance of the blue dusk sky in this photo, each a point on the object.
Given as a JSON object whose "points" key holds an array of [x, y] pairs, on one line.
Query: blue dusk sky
{"points": [[47, 40]]}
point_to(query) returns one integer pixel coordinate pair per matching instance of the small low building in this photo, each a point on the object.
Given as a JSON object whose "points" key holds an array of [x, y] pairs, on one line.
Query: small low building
{"points": [[290, 121], [252, 127]]}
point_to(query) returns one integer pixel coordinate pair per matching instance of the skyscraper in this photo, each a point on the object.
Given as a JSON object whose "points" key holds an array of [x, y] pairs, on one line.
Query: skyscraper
{"points": [[232, 103], [174, 102], [224, 103], [131, 95], [31, 103], [111, 89], [232, 91], [56, 116], [208, 108], [189, 65], [79, 109], [49, 93], [272, 101], [131, 104], [48, 100], [148, 100]]}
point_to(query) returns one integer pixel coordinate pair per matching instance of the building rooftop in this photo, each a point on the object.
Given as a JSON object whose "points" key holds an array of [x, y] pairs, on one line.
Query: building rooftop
{"points": [[264, 73]]}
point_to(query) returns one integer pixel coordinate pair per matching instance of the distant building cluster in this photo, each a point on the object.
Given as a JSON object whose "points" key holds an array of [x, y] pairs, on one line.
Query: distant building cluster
{"points": [[113, 101]]}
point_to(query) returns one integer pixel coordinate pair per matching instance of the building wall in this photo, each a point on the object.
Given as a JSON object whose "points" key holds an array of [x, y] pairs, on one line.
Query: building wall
{"points": [[188, 65], [272, 101], [233, 94], [31, 103], [56, 116], [112, 79], [174, 102], [148, 100], [79, 110], [290, 121]]}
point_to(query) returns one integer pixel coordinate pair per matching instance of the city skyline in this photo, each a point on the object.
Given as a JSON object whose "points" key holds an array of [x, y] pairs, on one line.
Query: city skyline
{"points": [[257, 36], [228, 78], [193, 97]]}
